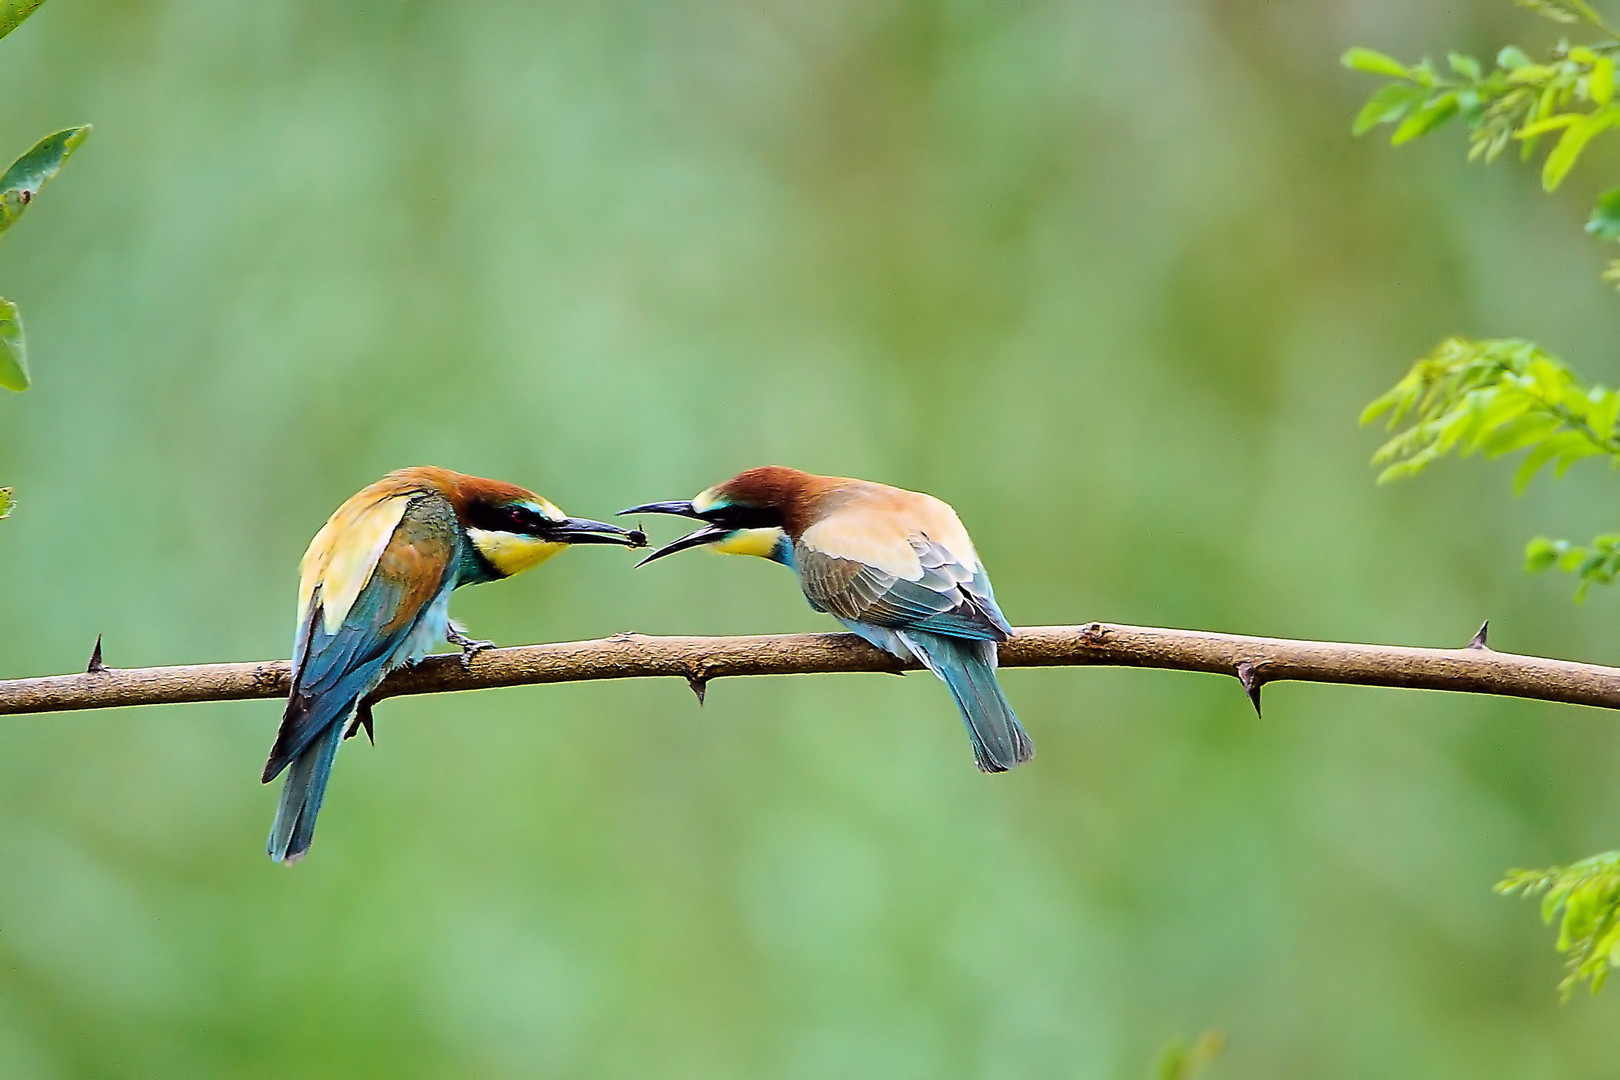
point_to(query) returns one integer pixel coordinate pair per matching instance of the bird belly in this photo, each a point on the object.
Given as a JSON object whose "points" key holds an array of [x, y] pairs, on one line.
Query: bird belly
{"points": [[428, 631]]}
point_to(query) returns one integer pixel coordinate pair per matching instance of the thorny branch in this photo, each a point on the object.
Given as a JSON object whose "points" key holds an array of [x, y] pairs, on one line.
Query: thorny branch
{"points": [[1254, 661]]}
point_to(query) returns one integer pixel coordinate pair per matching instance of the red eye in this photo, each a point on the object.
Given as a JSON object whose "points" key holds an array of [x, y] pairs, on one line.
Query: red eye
{"points": [[518, 517]]}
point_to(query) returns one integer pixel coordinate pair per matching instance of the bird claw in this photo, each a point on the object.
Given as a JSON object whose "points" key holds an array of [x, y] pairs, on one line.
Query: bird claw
{"points": [[470, 647]]}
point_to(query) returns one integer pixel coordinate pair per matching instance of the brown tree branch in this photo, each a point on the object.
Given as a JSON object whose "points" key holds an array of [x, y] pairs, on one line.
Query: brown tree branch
{"points": [[1254, 661]]}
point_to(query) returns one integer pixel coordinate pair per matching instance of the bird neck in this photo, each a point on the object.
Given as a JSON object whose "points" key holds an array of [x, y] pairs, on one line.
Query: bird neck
{"points": [[472, 568]]}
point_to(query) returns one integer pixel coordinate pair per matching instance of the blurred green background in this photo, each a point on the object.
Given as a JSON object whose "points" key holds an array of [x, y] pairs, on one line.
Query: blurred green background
{"points": [[1113, 279]]}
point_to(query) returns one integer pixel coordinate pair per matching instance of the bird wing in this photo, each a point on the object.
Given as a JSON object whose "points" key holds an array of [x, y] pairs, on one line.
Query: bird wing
{"points": [[336, 661], [904, 563], [344, 553]]}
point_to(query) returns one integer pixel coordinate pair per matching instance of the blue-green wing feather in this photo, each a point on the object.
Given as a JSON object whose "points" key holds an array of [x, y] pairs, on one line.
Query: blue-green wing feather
{"points": [[333, 671], [951, 597], [948, 619], [339, 669]]}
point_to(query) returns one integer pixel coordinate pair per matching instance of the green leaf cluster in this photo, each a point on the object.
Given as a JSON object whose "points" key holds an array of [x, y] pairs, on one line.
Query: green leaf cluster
{"points": [[19, 185], [1499, 397], [1504, 396], [1596, 563], [1585, 899], [1568, 99], [1494, 397], [1570, 95]]}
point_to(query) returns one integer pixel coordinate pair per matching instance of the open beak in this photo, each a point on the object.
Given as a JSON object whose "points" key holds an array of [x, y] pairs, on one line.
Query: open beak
{"points": [[706, 535], [586, 531], [679, 509]]}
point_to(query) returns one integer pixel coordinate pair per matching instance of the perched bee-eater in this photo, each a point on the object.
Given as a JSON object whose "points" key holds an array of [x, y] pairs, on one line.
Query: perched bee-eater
{"points": [[894, 566], [374, 595]]}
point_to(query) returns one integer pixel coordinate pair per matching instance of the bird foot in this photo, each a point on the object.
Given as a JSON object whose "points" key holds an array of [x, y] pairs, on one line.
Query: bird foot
{"points": [[470, 647]]}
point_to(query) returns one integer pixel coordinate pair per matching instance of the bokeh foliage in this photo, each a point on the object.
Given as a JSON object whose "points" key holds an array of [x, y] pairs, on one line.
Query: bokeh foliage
{"points": [[1503, 396], [1117, 312], [1184, 1060], [18, 186]]}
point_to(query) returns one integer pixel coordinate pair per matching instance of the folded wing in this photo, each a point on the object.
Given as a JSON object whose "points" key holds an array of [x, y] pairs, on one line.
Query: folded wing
{"points": [[361, 601], [907, 566]]}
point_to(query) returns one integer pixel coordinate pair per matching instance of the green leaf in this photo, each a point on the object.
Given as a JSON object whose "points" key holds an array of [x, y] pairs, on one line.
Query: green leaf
{"points": [[1550, 123], [13, 12], [1180, 1061], [1425, 119], [29, 173], [1543, 553], [1600, 83], [1532, 73], [1552, 9], [1605, 220], [1373, 63], [1574, 140], [1466, 66], [6, 503], [13, 353], [1388, 105], [1512, 58]]}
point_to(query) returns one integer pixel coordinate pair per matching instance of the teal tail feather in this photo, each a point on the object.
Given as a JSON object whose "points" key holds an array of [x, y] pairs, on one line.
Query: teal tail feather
{"points": [[969, 670], [301, 795]]}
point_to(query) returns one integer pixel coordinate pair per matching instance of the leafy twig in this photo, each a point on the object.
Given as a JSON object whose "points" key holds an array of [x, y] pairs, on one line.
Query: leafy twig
{"points": [[1585, 899]]}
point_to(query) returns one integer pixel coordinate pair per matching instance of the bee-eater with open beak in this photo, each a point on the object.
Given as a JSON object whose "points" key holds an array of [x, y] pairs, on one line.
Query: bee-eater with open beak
{"points": [[375, 595], [894, 566]]}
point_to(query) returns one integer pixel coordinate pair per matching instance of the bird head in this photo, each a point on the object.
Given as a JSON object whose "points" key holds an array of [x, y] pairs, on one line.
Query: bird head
{"points": [[758, 512], [514, 530]]}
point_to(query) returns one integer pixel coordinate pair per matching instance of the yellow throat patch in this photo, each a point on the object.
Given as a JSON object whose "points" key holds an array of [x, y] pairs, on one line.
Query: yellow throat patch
{"points": [[510, 553], [761, 542]]}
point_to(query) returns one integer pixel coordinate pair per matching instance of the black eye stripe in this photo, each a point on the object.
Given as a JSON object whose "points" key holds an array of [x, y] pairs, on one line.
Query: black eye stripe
{"points": [[746, 517], [513, 519]]}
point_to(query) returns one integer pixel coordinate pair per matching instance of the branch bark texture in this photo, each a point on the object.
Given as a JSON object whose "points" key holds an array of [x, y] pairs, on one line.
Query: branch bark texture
{"points": [[1254, 661]]}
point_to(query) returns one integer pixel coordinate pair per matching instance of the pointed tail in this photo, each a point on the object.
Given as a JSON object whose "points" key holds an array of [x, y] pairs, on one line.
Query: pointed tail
{"points": [[301, 795], [969, 669]]}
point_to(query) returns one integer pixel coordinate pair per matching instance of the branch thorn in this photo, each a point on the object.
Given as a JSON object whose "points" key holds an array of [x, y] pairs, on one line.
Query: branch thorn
{"points": [[1478, 640], [95, 667], [700, 687], [1252, 681]]}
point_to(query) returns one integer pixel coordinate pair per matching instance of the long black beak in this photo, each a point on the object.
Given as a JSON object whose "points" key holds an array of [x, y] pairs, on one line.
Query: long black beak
{"points": [[679, 509], [706, 535], [586, 531]]}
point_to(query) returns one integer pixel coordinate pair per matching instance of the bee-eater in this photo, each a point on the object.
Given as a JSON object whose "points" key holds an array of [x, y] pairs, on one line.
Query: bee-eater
{"points": [[894, 566], [374, 595]]}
